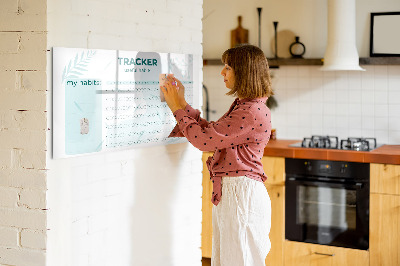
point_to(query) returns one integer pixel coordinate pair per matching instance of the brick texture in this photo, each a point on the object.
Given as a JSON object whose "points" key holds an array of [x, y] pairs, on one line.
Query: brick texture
{"points": [[33, 199], [23, 218], [9, 237], [17, 256], [23, 178], [8, 197], [23, 126], [33, 239], [108, 194]]}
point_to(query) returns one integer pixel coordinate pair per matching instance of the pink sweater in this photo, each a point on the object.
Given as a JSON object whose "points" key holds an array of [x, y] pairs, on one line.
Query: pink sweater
{"points": [[238, 139]]}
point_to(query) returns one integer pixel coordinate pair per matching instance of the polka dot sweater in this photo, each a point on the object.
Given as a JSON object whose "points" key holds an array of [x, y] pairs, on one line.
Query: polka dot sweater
{"points": [[238, 139]]}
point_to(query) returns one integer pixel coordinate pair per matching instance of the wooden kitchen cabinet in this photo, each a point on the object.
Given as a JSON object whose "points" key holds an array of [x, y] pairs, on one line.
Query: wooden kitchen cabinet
{"points": [[384, 236], [385, 178], [277, 233], [206, 225], [274, 168], [305, 254]]}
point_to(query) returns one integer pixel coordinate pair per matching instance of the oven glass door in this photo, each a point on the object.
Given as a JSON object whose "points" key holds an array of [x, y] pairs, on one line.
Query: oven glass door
{"points": [[326, 213], [326, 207]]}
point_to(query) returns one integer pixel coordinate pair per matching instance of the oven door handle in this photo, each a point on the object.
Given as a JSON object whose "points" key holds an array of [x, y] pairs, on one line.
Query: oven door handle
{"points": [[357, 185]]}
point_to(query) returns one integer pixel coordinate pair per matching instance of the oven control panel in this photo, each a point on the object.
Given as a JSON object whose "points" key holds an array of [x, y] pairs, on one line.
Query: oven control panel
{"points": [[338, 169]]}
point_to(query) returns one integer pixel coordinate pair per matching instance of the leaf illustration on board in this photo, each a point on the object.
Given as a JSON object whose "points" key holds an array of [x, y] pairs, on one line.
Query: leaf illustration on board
{"points": [[77, 106], [78, 65]]}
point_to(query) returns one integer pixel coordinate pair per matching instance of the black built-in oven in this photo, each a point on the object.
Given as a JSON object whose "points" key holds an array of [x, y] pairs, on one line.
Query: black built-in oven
{"points": [[327, 202]]}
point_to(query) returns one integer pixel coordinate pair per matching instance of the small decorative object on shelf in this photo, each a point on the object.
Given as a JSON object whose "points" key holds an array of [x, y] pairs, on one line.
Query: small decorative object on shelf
{"points": [[259, 26], [276, 38], [297, 49], [239, 35], [273, 134], [271, 102]]}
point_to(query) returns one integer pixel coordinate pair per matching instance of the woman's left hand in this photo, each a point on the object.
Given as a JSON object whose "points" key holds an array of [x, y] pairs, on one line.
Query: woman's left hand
{"points": [[171, 95]]}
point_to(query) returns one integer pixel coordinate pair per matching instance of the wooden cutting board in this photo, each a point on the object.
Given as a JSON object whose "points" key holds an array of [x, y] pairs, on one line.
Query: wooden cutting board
{"points": [[239, 35]]}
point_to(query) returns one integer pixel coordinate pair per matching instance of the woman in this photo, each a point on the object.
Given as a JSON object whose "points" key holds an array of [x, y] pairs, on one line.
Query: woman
{"points": [[242, 208]]}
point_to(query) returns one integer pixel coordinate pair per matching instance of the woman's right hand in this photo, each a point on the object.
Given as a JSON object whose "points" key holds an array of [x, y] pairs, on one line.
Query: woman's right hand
{"points": [[181, 91]]}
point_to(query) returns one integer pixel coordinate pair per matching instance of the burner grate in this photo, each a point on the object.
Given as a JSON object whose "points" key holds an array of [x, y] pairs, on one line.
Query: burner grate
{"points": [[332, 142], [358, 144], [327, 142]]}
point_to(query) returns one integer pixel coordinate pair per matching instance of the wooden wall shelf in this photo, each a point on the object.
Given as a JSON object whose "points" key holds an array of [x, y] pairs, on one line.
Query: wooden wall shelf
{"points": [[273, 63], [380, 61]]}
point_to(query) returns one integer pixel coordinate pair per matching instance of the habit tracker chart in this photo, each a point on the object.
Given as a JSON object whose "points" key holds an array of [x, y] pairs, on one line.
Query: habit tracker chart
{"points": [[110, 99]]}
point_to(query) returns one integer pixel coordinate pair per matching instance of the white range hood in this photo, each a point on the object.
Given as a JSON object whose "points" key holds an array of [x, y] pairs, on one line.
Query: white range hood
{"points": [[341, 51]]}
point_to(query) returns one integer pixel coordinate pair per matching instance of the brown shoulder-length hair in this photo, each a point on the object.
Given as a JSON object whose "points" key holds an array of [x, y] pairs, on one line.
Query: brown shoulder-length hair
{"points": [[250, 66]]}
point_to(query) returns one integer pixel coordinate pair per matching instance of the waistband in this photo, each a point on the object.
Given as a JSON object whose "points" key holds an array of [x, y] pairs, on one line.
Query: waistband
{"points": [[235, 179]]}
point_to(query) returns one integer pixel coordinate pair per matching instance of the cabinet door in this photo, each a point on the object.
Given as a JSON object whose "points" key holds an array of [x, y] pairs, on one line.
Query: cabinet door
{"points": [[206, 226], [385, 178], [384, 230], [274, 168], [304, 254], [277, 233]]}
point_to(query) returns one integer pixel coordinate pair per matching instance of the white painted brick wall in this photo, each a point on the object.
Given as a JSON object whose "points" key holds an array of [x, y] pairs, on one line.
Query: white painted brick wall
{"points": [[22, 256], [34, 239], [33, 120], [23, 218], [9, 237], [23, 178], [22, 101], [9, 197], [22, 139], [33, 198], [23, 125], [133, 206], [24, 16]]}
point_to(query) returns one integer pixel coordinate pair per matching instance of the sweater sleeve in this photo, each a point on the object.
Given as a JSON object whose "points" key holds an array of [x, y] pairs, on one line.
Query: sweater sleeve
{"points": [[193, 113], [231, 130]]}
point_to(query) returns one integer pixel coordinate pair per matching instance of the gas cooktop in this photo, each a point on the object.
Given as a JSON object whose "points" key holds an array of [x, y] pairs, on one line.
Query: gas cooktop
{"points": [[332, 142]]}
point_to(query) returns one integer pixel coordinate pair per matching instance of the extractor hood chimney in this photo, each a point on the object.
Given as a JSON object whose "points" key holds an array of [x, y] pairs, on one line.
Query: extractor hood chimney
{"points": [[341, 51]]}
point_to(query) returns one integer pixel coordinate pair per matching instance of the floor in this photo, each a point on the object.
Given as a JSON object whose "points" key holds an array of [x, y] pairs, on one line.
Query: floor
{"points": [[206, 261]]}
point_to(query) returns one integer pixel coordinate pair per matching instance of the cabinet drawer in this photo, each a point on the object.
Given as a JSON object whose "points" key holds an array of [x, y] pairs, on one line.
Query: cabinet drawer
{"points": [[297, 254]]}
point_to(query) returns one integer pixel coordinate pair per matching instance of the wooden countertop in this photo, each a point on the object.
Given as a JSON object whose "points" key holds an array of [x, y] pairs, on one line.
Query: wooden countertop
{"points": [[389, 154]]}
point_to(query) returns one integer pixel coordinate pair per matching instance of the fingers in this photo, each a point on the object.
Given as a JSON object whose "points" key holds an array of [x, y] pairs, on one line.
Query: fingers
{"points": [[169, 89], [178, 83], [164, 89], [170, 86], [172, 80]]}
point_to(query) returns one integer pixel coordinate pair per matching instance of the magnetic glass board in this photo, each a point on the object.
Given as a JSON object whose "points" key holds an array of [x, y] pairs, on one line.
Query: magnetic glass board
{"points": [[110, 99]]}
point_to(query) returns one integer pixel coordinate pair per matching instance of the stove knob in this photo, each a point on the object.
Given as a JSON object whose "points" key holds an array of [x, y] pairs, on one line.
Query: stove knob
{"points": [[308, 166], [343, 168]]}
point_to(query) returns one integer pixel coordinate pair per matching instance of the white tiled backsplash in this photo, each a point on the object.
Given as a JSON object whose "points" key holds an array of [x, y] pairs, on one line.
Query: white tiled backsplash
{"points": [[339, 103]]}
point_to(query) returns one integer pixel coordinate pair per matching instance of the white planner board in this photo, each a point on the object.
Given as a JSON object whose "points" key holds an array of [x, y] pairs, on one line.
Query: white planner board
{"points": [[110, 99]]}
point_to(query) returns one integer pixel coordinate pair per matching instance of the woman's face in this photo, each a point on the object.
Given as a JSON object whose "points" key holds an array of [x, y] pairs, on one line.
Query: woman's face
{"points": [[229, 76]]}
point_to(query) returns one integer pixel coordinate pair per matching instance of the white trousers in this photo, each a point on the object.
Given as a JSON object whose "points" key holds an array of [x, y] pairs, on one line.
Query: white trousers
{"points": [[241, 223]]}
